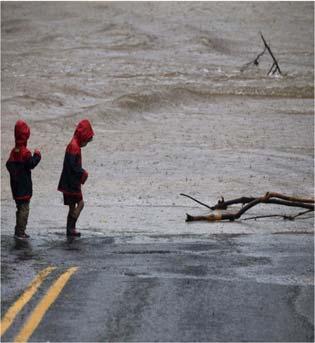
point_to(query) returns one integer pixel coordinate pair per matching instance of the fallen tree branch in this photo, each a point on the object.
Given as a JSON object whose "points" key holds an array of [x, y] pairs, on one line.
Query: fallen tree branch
{"points": [[285, 197], [251, 202], [224, 216], [223, 205], [285, 217], [268, 216], [199, 202]]}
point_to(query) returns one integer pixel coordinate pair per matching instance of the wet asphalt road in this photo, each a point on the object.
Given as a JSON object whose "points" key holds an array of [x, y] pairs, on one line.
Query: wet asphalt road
{"points": [[167, 288]]}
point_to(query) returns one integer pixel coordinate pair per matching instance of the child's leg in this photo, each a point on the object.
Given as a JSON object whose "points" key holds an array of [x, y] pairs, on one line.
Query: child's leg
{"points": [[78, 209], [73, 215], [22, 214], [71, 218], [17, 221], [75, 209]]}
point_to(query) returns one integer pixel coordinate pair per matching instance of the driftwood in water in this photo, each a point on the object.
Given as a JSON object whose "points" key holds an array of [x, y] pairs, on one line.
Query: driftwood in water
{"points": [[268, 198], [275, 65]]}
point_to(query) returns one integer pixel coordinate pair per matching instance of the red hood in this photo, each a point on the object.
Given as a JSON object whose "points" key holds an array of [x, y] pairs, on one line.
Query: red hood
{"points": [[83, 131], [21, 132]]}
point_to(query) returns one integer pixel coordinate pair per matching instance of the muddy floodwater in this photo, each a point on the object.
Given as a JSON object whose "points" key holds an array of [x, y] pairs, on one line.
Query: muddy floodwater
{"points": [[176, 108], [172, 108]]}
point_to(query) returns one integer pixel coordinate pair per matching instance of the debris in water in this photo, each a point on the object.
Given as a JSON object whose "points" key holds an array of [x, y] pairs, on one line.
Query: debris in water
{"points": [[268, 198], [275, 66]]}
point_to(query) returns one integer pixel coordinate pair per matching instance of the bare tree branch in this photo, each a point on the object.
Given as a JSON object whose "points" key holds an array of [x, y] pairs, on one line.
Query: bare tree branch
{"points": [[251, 202], [288, 201], [275, 66], [275, 62], [255, 61]]}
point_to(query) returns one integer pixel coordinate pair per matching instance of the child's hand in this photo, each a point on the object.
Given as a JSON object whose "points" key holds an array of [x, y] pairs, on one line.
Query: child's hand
{"points": [[37, 152], [84, 177]]}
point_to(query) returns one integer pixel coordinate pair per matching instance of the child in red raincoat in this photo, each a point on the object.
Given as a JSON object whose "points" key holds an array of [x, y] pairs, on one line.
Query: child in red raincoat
{"points": [[73, 175], [19, 165]]}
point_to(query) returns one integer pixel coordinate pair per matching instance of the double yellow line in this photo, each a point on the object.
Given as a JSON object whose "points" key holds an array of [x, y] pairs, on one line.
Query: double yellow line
{"points": [[38, 313]]}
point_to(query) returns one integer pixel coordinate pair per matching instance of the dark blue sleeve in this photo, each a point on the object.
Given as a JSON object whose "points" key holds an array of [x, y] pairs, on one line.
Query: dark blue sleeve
{"points": [[32, 161]]}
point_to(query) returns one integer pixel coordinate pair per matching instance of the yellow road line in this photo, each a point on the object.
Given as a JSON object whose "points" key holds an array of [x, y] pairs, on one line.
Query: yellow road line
{"points": [[31, 289], [38, 313]]}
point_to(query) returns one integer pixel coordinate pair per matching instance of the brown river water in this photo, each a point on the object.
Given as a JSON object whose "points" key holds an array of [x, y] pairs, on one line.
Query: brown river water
{"points": [[173, 108]]}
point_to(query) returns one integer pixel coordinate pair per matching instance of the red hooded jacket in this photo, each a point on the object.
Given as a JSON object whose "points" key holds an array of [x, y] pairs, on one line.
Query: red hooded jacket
{"points": [[73, 175], [21, 162]]}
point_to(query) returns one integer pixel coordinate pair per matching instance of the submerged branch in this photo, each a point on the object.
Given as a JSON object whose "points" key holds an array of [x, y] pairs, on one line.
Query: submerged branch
{"points": [[275, 62], [275, 65], [254, 62]]}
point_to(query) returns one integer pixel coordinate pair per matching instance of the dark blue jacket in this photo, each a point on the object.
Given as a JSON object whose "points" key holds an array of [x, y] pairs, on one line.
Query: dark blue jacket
{"points": [[20, 164], [73, 175]]}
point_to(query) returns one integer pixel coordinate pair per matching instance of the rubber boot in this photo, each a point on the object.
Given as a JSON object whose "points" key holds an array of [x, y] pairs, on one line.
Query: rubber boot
{"points": [[21, 220], [74, 231], [71, 230], [16, 230]]}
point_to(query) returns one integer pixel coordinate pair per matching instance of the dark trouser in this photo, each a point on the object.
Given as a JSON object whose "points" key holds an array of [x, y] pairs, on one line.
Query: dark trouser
{"points": [[23, 209]]}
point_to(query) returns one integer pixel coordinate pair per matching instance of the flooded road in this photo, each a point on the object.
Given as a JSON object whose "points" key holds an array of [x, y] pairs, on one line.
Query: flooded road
{"points": [[174, 111]]}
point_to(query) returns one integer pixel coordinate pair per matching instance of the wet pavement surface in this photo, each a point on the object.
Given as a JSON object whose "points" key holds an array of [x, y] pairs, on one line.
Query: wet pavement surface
{"points": [[168, 288]]}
